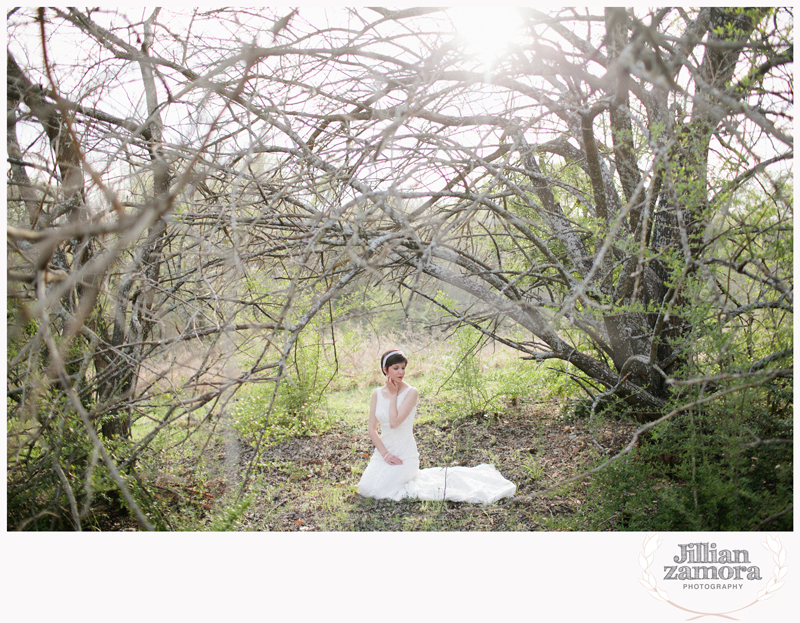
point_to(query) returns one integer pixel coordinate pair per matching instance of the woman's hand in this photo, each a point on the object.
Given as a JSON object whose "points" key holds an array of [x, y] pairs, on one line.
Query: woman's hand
{"points": [[393, 386], [391, 459]]}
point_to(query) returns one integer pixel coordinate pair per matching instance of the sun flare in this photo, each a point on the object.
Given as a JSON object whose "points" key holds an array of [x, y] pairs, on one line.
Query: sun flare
{"points": [[488, 32]]}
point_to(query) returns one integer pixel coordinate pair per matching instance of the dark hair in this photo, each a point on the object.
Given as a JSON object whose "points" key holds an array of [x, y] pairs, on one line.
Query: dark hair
{"points": [[395, 356]]}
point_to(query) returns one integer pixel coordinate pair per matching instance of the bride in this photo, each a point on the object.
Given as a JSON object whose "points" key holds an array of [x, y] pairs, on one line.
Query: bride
{"points": [[393, 471]]}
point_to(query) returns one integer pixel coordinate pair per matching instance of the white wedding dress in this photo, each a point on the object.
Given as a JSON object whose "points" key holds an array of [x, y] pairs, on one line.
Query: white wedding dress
{"points": [[482, 484]]}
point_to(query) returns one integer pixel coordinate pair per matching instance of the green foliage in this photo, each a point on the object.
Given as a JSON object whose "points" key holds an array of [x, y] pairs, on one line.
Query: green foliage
{"points": [[54, 474], [707, 469], [349, 406], [533, 470], [458, 386], [298, 405], [725, 464], [231, 514], [467, 382]]}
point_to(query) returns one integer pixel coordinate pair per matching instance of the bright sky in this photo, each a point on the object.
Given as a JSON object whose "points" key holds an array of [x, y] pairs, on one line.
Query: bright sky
{"points": [[489, 31]]}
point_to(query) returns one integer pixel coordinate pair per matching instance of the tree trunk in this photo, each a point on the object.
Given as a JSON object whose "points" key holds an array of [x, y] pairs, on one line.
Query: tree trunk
{"points": [[127, 361]]}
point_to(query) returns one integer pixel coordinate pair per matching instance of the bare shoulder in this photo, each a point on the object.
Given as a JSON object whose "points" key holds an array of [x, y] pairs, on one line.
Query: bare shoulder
{"points": [[412, 391]]}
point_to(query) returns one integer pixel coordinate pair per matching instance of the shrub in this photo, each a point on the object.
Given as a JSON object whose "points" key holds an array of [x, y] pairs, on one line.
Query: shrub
{"points": [[708, 469], [298, 406]]}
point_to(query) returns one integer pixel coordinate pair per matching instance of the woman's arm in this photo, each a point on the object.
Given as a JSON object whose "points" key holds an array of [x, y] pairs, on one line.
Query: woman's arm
{"points": [[398, 415], [372, 426]]}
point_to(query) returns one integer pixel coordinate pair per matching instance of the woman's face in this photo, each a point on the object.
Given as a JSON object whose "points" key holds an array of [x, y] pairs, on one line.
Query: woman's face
{"points": [[396, 371]]}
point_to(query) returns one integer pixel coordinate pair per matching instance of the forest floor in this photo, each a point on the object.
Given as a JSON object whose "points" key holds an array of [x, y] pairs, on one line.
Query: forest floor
{"points": [[308, 483]]}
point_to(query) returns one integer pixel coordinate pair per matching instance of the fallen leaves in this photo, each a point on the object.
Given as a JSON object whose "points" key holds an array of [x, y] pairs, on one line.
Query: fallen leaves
{"points": [[313, 479]]}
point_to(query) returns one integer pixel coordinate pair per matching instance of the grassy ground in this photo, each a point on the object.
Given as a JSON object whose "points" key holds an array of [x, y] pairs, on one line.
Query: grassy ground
{"points": [[308, 482]]}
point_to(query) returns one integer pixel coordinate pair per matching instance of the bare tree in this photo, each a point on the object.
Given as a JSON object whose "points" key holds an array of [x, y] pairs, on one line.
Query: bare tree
{"points": [[217, 178]]}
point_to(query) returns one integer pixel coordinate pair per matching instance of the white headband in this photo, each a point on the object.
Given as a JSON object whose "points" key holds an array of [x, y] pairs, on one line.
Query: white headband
{"points": [[387, 355]]}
